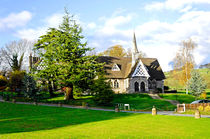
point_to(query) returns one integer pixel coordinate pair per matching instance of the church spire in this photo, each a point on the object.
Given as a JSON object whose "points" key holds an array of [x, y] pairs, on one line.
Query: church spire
{"points": [[135, 52], [135, 49]]}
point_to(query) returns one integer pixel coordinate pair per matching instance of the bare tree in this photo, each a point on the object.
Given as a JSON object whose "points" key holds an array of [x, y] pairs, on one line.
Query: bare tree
{"points": [[19, 48], [184, 62]]}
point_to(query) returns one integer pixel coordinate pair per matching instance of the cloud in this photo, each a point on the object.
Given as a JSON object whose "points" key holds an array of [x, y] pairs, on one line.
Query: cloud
{"points": [[174, 4], [52, 21], [14, 20], [156, 38]]}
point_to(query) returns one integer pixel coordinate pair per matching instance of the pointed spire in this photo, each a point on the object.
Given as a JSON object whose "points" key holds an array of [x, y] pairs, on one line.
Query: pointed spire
{"points": [[135, 49]]}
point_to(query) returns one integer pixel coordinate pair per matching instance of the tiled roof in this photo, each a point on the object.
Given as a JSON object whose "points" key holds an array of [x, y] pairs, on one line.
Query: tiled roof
{"points": [[126, 70]]}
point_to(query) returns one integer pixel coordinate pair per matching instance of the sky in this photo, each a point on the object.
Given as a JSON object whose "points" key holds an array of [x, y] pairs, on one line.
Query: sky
{"points": [[159, 25]]}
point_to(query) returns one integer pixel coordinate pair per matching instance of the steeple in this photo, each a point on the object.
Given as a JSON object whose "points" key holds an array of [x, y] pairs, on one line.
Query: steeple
{"points": [[135, 49], [135, 52]]}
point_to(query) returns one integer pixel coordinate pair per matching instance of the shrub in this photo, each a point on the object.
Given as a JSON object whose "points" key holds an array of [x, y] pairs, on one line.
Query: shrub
{"points": [[29, 86], [207, 108], [159, 90], [3, 81], [103, 94], [166, 88], [203, 95], [16, 81], [200, 108]]}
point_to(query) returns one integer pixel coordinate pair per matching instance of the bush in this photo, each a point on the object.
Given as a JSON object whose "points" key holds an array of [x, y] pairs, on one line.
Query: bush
{"points": [[3, 81], [203, 95], [171, 91], [16, 81], [103, 94], [159, 90], [29, 86], [166, 88], [200, 108], [207, 108]]}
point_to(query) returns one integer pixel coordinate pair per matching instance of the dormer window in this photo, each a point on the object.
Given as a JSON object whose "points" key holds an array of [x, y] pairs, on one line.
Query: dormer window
{"points": [[115, 68]]}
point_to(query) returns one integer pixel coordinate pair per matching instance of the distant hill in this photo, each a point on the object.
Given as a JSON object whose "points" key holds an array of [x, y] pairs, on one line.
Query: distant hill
{"points": [[174, 84], [204, 66]]}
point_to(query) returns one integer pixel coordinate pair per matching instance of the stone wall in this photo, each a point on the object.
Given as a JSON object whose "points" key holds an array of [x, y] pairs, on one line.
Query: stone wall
{"points": [[132, 81]]}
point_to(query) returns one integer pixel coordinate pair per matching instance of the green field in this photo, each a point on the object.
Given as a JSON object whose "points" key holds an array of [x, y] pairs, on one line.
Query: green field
{"points": [[181, 97], [174, 84], [136, 101], [28, 121]]}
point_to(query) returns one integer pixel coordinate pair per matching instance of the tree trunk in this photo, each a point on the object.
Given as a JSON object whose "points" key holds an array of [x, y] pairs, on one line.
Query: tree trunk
{"points": [[69, 93], [50, 89]]}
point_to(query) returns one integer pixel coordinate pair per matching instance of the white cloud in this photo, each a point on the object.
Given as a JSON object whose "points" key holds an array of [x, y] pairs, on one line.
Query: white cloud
{"points": [[174, 4], [31, 34], [52, 21], [91, 25], [14, 20], [158, 39]]}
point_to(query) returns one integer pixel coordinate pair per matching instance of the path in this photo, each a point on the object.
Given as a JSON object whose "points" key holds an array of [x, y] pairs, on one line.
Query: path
{"points": [[170, 113], [156, 96]]}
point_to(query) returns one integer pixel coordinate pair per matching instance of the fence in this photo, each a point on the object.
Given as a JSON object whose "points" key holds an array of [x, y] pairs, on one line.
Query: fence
{"points": [[184, 107]]}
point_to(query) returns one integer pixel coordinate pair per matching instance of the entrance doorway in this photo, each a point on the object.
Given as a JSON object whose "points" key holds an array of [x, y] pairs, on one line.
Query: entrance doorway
{"points": [[136, 85], [142, 87]]}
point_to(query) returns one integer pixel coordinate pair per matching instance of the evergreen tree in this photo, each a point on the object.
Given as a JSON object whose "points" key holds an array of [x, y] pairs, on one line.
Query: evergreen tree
{"points": [[64, 59], [196, 84]]}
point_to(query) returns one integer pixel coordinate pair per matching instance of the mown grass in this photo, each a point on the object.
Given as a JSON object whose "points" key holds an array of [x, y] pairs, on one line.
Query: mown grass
{"points": [[27, 121], [183, 98], [136, 101], [143, 102]]}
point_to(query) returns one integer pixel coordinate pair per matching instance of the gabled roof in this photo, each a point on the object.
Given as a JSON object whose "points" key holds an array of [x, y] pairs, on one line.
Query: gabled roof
{"points": [[126, 71]]}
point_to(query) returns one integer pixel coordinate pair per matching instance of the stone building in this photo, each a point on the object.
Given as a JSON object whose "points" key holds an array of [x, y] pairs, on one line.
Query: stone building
{"points": [[133, 74]]}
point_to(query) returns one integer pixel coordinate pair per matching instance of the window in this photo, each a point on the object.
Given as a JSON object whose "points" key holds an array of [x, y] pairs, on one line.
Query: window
{"points": [[115, 68], [116, 84]]}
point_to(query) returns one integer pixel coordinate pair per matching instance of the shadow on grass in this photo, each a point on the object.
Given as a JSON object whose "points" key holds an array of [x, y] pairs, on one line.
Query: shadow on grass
{"points": [[25, 118]]}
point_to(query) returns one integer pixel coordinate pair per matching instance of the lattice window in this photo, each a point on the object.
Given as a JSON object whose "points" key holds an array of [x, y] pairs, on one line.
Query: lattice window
{"points": [[116, 84], [140, 71]]}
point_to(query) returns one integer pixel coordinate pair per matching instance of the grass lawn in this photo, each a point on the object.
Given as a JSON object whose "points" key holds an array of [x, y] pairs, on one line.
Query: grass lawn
{"points": [[143, 102], [136, 101], [28, 121], [181, 97]]}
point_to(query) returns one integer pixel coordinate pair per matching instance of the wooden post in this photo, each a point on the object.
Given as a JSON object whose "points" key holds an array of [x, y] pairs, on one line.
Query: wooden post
{"points": [[59, 104], [13, 100], [197, 114], [117, 108], [154, 111], [35, 103]]}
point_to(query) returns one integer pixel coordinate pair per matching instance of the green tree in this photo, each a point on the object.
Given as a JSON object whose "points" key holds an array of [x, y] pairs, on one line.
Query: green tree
{"points": [[29, 87], [15, 63], [103, 93], [196, 84], [64, 57]]}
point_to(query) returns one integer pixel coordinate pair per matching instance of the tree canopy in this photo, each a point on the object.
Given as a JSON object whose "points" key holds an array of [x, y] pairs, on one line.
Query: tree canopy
{"points": [[197, 84], [64, 57], [184, 62]]}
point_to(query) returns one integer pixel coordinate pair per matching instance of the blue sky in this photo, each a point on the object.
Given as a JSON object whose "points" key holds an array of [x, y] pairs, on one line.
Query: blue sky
{"points": [[160, 26]]}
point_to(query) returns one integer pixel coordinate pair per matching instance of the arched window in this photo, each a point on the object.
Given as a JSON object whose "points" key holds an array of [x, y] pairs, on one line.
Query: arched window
{"points": [[116, 84], [110, 82]]}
